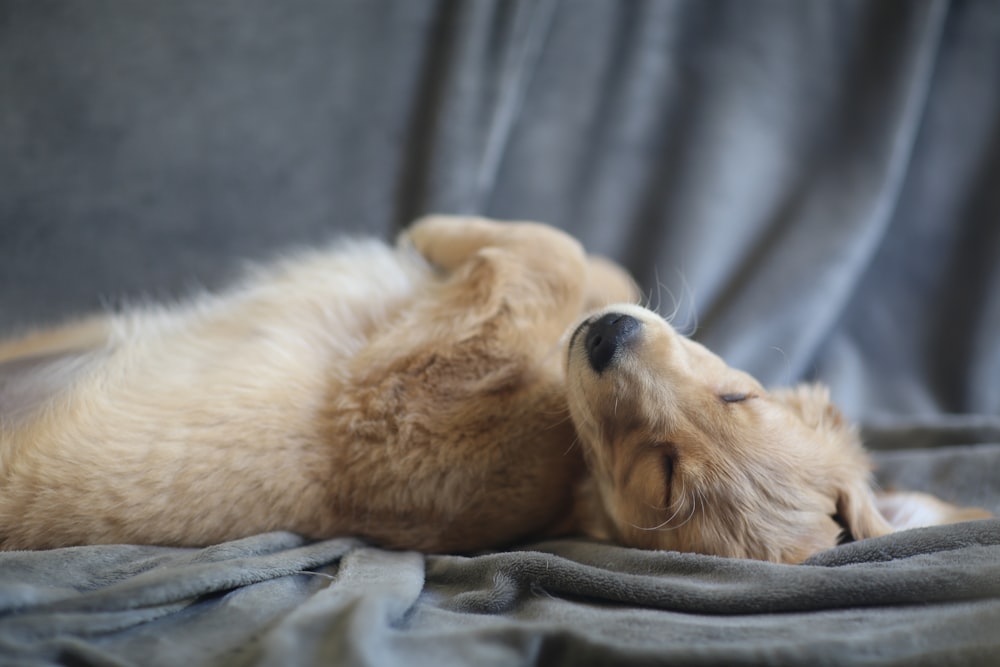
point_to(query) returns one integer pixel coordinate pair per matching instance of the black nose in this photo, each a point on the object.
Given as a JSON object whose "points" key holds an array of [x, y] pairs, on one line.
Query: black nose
{"points": [[606, 336]]}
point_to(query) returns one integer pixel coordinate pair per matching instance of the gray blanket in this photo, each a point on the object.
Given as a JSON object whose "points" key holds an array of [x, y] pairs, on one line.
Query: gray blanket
{"points": [[809, 187], [926, 597]]}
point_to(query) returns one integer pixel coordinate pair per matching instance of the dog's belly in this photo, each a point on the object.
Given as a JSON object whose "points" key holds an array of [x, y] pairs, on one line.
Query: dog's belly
{"points": [[324, 397], [483, 472], [199, 423]]}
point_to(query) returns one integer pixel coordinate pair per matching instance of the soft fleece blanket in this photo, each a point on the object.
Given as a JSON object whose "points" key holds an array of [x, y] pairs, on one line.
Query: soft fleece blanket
{"points": [[929, 597], [809, 186]]}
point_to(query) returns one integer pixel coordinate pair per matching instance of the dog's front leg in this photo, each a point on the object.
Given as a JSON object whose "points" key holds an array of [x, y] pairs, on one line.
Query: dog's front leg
{"points": [[535, 273], [70, 338]]}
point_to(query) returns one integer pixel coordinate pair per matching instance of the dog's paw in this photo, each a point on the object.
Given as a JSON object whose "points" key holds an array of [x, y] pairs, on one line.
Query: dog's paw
{"points": [[912, 509], [447, 241]]}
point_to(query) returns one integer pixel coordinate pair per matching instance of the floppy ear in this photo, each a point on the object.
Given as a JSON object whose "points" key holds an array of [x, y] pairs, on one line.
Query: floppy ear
{"points": [[811, 402], [859, 512]]}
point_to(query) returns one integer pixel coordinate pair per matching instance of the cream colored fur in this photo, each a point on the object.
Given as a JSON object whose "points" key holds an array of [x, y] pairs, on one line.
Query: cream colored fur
{"points": [[415, 396]]}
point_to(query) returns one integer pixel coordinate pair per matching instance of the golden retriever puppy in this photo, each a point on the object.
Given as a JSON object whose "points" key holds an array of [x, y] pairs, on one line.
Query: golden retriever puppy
{"points": [[686, 453], [416, 396], [413, 396]]}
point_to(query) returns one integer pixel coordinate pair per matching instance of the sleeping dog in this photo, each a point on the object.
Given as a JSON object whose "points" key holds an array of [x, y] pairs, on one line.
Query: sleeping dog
{"points": [[467, 389]]}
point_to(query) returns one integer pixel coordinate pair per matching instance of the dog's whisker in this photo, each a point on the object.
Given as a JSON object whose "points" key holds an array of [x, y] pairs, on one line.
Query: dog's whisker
{"points": [[661, 526], [694, 509], [676, 307], [659, 289], [572, 446], [558, 411], [645, 301], [674, 301], [692, 318], [558, 423], [787, 374]]}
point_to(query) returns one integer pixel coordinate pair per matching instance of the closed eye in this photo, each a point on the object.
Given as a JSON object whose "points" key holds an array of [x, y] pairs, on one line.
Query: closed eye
{"points": [[734, 397], [668, 460], [668, 467]]}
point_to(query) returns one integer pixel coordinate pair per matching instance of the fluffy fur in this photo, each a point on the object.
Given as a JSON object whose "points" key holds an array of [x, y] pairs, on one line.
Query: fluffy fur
{"points": [[692, 455], [416, 396]]}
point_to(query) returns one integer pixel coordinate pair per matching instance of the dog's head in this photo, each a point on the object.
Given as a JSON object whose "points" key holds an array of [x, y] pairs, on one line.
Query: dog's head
{"points": [[689, 454]]}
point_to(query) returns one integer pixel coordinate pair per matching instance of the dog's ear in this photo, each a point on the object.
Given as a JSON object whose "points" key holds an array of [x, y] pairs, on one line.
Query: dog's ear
{"points": [[858, 511], [811, 402], [850, 469]]}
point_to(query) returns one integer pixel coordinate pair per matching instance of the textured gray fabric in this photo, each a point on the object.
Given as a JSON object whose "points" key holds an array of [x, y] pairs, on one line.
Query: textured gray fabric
{"points": [[812, 180], [812, 183], [913, 598]]}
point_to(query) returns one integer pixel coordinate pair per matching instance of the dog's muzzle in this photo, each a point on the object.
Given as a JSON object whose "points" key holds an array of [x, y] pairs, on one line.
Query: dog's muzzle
{"points": [[606, 336]]}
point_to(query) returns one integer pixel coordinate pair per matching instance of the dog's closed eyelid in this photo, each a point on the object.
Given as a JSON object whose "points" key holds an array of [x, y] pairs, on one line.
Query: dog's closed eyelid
{"points": [[668, 466], [734, 397], [668, 452], [669, 463]]}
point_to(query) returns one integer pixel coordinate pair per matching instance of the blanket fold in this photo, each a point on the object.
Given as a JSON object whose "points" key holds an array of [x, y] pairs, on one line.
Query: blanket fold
{"points": [[568, 601]]}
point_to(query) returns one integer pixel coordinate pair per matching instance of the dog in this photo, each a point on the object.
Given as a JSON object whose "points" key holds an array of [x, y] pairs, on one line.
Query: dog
{"points": [[476, 385], [689, 454]]}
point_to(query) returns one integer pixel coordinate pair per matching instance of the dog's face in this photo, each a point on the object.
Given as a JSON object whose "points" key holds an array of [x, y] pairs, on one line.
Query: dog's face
{"points": [[689, 454]]}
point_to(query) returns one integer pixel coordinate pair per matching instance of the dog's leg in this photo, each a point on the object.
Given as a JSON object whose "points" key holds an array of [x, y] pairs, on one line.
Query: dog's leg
{"points": [[545, 272], [75, 337], [608, 283], [483, 346], [35, 367], [533, 272], [449, 241], [912, 509]]}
